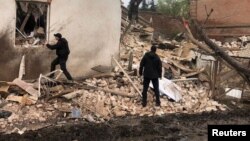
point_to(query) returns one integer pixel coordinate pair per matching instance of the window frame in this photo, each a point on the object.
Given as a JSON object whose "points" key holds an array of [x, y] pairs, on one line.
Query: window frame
{"points": [[48, 3]]}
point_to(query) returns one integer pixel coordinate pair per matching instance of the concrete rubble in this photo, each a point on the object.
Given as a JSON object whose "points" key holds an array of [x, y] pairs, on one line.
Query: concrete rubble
{"points": [[105, 96], [238, 47]]}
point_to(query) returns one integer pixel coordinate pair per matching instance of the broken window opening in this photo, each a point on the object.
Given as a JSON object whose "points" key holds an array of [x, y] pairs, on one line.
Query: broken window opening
{"points": [[31, 24]]}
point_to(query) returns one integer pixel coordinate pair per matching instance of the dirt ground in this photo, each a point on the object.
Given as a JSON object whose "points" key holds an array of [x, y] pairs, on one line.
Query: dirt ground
{"points": [[171, 127]]}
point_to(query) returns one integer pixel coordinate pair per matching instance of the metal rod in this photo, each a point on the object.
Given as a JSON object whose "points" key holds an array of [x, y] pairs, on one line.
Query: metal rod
{"points": [[187, 79], [21, 33]]}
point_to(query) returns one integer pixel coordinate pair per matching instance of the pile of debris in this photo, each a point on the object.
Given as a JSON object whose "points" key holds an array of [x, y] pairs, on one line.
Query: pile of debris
{"points": [[102, 97], [178, 57], [19, 107], [235, 47], [106, 105]]}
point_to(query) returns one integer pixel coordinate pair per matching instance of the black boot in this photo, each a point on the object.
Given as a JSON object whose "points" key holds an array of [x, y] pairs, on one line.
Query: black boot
{"points": [[144, 104], [158, 104]]}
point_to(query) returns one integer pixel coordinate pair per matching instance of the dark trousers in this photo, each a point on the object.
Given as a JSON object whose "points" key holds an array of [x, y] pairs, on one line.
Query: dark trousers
{"points": [[133, 15], [146, 82], [62, 61]]}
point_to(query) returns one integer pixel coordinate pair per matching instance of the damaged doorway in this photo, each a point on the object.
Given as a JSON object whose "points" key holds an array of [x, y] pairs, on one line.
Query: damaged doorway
{"points": [[31, 24]]}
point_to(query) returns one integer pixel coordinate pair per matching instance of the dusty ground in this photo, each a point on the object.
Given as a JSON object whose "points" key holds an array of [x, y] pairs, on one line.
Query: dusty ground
{"points": [[180, 127]]}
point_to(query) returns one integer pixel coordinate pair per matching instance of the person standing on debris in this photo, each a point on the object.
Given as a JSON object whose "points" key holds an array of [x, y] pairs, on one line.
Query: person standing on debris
{"points": [[62, 52], [151, 69], [133, 9]]}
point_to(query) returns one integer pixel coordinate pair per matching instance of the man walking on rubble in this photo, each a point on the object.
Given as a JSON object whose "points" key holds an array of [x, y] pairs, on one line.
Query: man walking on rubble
{"points": [[151, 68], [133, 9], [62, 52]]}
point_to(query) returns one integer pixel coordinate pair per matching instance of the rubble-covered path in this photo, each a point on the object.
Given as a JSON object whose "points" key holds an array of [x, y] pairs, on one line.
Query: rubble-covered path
{"points": [[183, 127]]}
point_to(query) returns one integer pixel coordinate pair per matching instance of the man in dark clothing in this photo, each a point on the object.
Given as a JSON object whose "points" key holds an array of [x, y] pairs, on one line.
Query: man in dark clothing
{"points": [[151, 68], [133, 9], [62, 52]]}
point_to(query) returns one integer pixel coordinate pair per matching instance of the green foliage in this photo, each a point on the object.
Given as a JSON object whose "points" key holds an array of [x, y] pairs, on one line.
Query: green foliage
{"points": [[175, 8]]}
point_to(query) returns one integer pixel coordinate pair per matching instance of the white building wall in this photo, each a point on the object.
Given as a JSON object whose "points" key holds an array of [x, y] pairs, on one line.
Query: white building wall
{"points": [[92, 29]]}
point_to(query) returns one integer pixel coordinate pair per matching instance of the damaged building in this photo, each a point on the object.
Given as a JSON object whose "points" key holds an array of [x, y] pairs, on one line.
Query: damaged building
{"points": [[223, 18], [26, 25], [204, 81]]}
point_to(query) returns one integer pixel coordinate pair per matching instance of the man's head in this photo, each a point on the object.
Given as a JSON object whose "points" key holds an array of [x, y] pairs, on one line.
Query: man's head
{"points": [[153, 48], [58, 36]]}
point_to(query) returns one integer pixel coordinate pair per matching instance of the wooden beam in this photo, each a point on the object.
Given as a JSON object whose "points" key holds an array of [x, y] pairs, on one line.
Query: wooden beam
{"points": [[138, 91], [194, 73], [90, 86], [125, 32], [130, 62], [184, 79], [25, 21], [229, 74], [61, 94], [227, 26], [214, 79]]}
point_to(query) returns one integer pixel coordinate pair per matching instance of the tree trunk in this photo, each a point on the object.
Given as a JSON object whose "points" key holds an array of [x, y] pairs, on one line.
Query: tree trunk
{"points": [[218, 51]]}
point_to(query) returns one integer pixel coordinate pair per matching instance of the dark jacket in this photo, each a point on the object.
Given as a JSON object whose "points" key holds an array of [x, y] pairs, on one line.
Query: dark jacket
{"points": [[151, 66], [61, 47]]}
